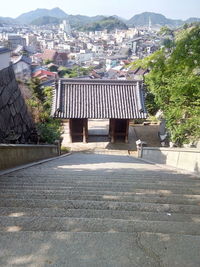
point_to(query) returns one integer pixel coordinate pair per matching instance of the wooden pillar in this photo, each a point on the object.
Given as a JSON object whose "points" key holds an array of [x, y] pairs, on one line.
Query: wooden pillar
{"points": [[86, 122], [127, 131], [85, 130], [70, 130], [109, 132], [112, 130]]}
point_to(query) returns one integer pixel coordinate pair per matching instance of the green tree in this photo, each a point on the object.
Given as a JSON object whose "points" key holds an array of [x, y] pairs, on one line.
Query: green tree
{"points": [[168, 43], [40, 105], [34, 86], [151, 105], [175, 82], [76, 71], [53, 68], [47, 61], [166, 31]]}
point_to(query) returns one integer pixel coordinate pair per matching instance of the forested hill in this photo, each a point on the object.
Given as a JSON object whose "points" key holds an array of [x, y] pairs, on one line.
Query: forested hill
{"points": [[107, 23], [45, 21], [28, 17], [99, 21], [143, 19]]}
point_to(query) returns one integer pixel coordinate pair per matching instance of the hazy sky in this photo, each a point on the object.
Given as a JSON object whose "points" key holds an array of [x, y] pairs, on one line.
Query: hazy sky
{"points": [[125, 8]]}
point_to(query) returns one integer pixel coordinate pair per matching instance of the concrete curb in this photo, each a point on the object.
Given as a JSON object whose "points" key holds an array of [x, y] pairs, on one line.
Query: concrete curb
{"points": [[168, 167], [21, 167]]}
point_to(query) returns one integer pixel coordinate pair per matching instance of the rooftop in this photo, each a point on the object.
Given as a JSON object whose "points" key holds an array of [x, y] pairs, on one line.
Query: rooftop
{"points": [[98, 99]]}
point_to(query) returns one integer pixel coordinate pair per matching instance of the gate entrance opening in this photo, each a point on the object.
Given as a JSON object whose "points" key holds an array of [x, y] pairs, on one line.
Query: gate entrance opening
{"points": [[113, 130]]}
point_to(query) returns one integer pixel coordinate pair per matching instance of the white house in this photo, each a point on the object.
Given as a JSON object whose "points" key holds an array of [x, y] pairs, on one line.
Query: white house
{"points": [[83, 57], [98, 49], [4, 57], [65, 27], [22, 68], [50, 44]]}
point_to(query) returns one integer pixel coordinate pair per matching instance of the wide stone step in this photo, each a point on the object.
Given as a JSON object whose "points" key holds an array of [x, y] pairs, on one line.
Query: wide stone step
{"points": [[103, 214], [71, 169], [171, 189], [78, 182], [100, 205], [107, 173], [91, 210], [71, 191], [172, 199], [113, 177], [98, 249], [60, 224]]}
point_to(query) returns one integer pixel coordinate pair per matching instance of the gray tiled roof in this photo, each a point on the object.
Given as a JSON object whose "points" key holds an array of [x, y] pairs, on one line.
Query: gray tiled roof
{"points": [[98, 99], [27, 60]]}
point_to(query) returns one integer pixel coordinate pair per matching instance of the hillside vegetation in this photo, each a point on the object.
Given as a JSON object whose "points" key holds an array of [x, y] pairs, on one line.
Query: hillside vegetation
{"points": [[45, 21], [174, 82], [110, 24], [40, 108]]}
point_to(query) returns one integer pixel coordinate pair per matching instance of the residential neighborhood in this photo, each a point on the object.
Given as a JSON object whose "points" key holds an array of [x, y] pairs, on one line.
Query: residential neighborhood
{"points": [[39, 51]]}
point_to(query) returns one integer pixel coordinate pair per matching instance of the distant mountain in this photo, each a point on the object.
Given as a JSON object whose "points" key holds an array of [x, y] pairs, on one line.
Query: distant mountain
{"points": [[7, 20], [45, 21], [107, 23], [77, 21], [27, 18], [120, 18], [155, 19], [190, 20]]}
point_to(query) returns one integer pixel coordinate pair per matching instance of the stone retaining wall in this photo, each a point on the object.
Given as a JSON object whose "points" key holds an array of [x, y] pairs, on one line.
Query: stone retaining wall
{"points": [[15, 155], [14, 116], [180, 158]]}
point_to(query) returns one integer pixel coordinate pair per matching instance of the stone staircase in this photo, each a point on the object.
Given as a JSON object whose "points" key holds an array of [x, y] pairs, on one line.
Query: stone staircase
{"points": [[99, 210]]}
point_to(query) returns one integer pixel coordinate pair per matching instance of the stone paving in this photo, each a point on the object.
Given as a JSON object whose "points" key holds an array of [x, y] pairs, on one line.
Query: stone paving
{"points": [[88, 209]]}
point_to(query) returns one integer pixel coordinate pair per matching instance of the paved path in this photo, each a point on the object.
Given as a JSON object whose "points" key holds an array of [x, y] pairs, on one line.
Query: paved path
{"points": [[95, 210]]}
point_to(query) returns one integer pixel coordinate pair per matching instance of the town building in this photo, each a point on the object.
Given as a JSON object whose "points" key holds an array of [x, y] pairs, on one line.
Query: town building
{"points": [[4, 57], [15, 40], [65, 27], [22, 67], [44, 75], [59, 58]]}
